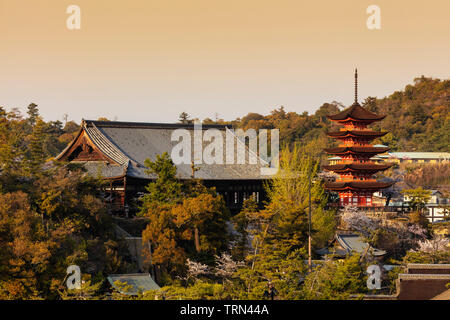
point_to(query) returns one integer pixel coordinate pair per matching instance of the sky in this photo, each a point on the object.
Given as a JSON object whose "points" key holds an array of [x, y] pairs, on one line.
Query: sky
{"points": [[148, 60]]}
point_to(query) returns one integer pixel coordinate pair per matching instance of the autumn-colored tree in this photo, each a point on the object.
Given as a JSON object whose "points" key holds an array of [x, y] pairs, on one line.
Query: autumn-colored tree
{"points": [[185, 219], [48, 220], [205, 215], [12, 147], [59, 223]]}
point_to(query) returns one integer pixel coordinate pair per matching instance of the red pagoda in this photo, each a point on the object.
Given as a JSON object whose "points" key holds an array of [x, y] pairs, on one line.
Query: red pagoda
{"points": [[356, 169]]}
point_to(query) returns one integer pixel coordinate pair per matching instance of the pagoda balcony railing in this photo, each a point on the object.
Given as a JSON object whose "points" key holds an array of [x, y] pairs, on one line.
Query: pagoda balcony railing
{"points": [[377, 207]]}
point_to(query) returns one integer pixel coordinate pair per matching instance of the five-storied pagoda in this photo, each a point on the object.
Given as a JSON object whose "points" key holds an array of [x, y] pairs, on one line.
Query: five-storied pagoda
{"points": [[356, 182]]}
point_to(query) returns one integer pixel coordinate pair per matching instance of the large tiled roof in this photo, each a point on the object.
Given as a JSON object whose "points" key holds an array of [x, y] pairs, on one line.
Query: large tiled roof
{"points": [[104, 169], [106, 145], [129, 144]]}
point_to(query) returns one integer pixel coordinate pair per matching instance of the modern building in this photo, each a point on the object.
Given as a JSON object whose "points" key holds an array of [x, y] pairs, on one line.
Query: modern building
{"points": [[420, 282], [405, 157], [418, 157], [356, 167]]}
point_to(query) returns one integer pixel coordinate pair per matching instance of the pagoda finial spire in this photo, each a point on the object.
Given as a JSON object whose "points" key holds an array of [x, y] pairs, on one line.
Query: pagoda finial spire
{"points": [[356, 85]]}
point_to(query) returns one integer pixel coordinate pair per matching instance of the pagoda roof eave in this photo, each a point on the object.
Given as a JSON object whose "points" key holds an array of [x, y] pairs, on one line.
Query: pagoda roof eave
{"points": [[356, 133], [356, 150], [351, 119], [356, 113], [357, 167], [357, 185]]}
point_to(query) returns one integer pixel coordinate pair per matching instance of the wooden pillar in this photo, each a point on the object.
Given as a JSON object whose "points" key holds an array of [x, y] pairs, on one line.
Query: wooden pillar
{"points": [[111, 197], [124, 191]]}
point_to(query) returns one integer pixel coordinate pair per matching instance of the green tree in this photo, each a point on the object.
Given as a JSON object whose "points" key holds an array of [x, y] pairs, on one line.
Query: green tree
{"points": [[417, 198], [184, 117], [33, 114], [336, 280], [36, 154], [60, 220], [288, 194], [12, 147], [279, 232], [166, 188]]}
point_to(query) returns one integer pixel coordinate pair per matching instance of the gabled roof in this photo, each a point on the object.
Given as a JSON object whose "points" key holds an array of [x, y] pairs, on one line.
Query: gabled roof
{"points": [[126, 146], [139, 282], [356, 112], [347, 244], [355, 243]]}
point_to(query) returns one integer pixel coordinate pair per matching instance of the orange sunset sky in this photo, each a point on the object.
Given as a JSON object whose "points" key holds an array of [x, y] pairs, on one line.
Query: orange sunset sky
{"points": [[147, 60]]}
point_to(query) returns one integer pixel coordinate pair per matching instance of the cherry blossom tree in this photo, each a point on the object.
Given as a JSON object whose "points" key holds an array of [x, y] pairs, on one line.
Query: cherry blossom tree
{"points": [[359, 221], [434, 245], [195, 270], [226, 266]]}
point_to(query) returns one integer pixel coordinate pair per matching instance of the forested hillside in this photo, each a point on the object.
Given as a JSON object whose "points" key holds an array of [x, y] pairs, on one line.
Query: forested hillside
{"points": [[52, 215], [417, 118]]}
